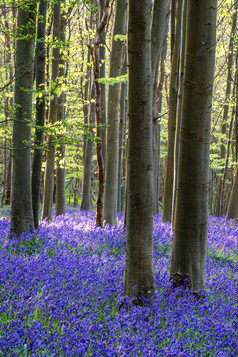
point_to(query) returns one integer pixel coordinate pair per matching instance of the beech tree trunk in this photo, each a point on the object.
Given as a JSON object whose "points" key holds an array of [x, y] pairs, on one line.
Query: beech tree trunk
{"points": [[21, 200], [188, 260], [122, 126], [139, 277], [111, 184], [50, 161], [159, 27], [173, 95], [103, 86], [60, 207], [86, 201], [98, 111], [40, 111]]}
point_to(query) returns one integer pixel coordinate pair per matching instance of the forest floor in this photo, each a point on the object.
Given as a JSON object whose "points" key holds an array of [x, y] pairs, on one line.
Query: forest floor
{"points": [[61, 288]]}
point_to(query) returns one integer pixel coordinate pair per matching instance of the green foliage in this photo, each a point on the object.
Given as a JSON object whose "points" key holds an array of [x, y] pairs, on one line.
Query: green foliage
{"points": [[114, 80]]}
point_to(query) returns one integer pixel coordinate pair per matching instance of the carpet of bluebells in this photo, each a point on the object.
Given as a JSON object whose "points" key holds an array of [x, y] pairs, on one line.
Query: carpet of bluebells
{"points": [[61, 289]]}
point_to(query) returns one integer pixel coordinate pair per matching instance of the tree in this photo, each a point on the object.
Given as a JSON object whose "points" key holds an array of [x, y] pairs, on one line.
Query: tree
{"points": [[21, 200], [98, 111], [40, 110], [111, 184], [139, 277], [173, 95], [159, 28], [188, 260], [50, 162], [60, 207]]}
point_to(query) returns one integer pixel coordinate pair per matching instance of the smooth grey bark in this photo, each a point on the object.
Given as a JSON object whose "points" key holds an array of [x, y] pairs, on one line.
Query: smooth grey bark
{"points": [[50, 161], [40, 110], [86, 202], [160, 19], [157, 129], [122, 124], [189, 248], [173, 94], [139, 276], [179, 106], [103, 86], [21, 199], [112, 151], [60, 207], [98, 112]]}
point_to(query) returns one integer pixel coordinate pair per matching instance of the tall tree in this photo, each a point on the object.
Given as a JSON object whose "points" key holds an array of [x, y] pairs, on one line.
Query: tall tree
{"points": [[188, 260], [98, 111], [158, 30], [85, 203], [50, 162], [139, 277], [21, 201], [103, 87], [173, 95], [40, 60], [60, 207], [111, 184]]}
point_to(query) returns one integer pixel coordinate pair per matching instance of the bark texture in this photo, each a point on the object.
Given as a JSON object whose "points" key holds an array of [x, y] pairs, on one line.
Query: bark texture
{"points": [[86, 202], [139, 277], [21, 200], [111, 185], [40, 111], [50, 161], [191, 215], [98, 111], [173, 95], [60, 154]]}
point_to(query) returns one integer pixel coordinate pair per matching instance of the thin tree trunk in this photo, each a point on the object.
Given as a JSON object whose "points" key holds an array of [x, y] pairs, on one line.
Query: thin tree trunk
{"points": [[121, 138], [158, 128], [21, 200], [173, 94], [50, 162], [189, 248], [86, 202], [103, 86], [158, 33], [60, 154], [98, 111], [40, 111], [179, 107], [139, 277], [111, 184]]}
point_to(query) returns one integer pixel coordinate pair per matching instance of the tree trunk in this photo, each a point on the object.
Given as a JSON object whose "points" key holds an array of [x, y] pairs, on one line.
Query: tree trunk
{"points": [[157, 128], [179, 106], [60, 154], [40, 111], [173, 94], [103, 86], [86, 201], [122, 124], [159, 29], [50, 162], [139, 276], [111, 184], [98, 111], [21, 200], [188, 260]]}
